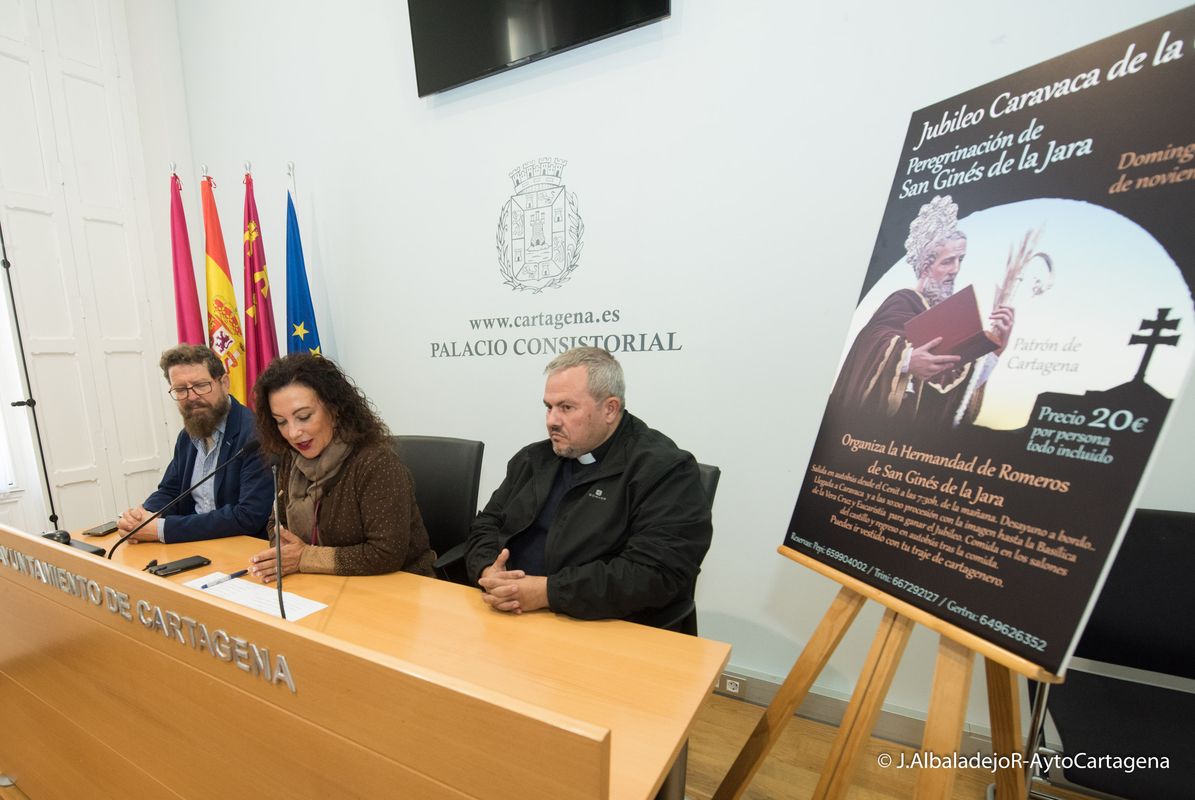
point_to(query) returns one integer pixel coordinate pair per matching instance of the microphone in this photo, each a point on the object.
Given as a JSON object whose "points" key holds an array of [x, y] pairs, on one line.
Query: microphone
{"points": [[249, 449], [277, 540], [270, 460], [273, 463]]}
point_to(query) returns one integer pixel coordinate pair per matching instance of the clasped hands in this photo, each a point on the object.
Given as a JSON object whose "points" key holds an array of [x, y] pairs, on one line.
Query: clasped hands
{"points": [[263, 565], [512, 590], [130, 519]]}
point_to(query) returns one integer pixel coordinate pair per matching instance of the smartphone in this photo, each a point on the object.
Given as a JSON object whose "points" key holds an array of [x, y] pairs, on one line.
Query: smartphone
{"points": [[181, 565], [101, 530]]}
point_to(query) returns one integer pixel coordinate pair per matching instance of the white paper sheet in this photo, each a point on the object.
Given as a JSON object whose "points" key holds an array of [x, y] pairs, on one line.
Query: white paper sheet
{"points": [[257, 596]]}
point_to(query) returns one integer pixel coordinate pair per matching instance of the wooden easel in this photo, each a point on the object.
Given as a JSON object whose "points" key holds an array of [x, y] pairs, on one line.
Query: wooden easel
{"points": [[948, 701]]}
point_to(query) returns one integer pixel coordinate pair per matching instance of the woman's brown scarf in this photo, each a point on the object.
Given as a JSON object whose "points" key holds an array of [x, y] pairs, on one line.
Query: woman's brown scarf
{"points": [[309, 477]]}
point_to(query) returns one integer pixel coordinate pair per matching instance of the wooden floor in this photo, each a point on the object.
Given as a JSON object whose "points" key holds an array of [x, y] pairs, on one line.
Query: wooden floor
{"points": [[793, 767]]}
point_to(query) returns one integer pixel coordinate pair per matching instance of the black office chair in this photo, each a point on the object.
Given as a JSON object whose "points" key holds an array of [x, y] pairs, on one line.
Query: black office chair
{"points": [[447, 474], [1130, 688], [683, 618]]}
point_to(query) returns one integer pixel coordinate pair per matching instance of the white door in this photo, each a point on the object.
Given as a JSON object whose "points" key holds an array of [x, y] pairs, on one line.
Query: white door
{"points": [[69, 217]]}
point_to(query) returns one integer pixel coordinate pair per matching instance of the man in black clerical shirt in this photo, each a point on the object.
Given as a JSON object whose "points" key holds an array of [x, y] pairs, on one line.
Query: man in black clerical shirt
{"points": [[605, 518]]}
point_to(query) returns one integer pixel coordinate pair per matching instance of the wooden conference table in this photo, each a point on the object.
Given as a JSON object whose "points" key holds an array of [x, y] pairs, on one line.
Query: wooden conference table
{"points": [[124, 684]]}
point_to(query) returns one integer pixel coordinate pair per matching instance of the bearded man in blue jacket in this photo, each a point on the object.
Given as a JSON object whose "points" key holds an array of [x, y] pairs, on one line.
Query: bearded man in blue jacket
{"points": [[237, 500]]}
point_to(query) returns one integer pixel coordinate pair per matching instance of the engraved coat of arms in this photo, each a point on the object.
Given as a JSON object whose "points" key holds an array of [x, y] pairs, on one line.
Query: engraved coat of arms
{"points": [[539, 229]]}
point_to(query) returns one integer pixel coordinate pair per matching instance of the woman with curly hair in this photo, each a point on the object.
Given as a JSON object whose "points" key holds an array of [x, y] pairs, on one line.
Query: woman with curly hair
{"points": [[346, 503]]}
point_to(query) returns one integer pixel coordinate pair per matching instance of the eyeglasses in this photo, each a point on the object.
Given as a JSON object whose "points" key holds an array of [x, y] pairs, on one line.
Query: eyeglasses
{"points": [[181, 392]]}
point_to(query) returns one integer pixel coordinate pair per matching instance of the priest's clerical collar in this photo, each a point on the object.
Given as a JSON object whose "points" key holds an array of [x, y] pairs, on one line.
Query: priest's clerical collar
{"points": [[599, 452]]}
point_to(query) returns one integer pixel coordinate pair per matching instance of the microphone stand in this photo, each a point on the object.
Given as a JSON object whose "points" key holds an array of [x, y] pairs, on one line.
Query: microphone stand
{"points": [[278, 541], [250, 447], [28, 402]]}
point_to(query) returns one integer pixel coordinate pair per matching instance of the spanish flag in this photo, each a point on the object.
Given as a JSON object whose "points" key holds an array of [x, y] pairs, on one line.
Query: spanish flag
{"points": [[223, 322], [261, 341]]}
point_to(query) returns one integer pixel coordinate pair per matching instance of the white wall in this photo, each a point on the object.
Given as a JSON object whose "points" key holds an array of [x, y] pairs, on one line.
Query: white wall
{"points": [[731, 165], [155, 60]]}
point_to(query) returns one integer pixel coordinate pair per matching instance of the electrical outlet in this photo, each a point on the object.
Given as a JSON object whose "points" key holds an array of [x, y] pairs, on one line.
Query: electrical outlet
{"points": [[731, 684]]}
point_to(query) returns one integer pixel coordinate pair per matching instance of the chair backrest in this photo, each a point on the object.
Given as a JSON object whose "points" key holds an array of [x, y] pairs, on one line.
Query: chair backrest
{"points": [[682, 617], [1146, 606], [447, 474], [709, 476], [1142, 621]]}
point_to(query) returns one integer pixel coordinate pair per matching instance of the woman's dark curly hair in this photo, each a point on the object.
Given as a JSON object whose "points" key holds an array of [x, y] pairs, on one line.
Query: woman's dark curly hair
{"points": [[355, 419]]}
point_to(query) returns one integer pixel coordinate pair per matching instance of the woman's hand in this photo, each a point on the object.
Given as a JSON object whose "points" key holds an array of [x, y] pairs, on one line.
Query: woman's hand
{"points": [[264, 565]]}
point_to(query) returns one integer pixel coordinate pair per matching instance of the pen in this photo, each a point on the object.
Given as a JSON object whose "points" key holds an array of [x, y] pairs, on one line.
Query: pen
{"points": [[219, 581]]}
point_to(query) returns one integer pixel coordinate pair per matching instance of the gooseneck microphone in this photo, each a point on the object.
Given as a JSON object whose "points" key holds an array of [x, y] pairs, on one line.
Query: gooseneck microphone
{"points": [[249, 449], [277, 540]]}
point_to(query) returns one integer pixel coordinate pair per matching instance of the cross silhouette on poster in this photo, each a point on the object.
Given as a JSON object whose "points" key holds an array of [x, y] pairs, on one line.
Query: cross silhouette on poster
{"points": [[1155, 338]]}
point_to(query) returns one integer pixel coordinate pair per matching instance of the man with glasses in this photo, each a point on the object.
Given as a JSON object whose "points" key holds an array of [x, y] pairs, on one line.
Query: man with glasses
{"points": [[215, 427]]}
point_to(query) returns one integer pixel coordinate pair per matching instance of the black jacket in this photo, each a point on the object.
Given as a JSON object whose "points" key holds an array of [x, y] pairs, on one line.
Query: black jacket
{"points": [[628, 539]]}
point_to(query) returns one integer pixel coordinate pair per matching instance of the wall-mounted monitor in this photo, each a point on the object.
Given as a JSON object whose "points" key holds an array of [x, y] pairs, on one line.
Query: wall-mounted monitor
{"points": [[458, 41]]}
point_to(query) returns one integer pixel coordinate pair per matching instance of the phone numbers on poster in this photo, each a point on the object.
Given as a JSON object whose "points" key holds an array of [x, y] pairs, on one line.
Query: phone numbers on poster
{"points": [[1004, 629], [862, 566], [915, 590]]}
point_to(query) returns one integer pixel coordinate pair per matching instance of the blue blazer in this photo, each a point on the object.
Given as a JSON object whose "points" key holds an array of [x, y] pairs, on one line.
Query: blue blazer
{"points": [[244, 491]]}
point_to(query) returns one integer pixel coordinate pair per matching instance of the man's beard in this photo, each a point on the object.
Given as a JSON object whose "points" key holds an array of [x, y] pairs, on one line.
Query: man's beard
{"points": [[937, 291], [201, 422], [562, 449], [565, 451]]}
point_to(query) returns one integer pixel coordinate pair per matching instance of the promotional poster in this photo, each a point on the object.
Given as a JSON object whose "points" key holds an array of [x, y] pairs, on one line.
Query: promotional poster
{"points": [[1025, 326]]}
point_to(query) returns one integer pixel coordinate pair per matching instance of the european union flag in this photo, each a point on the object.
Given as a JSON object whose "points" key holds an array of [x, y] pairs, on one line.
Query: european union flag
{"points": [[302, 333]]}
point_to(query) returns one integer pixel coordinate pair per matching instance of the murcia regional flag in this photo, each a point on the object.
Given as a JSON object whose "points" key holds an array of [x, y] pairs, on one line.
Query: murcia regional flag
{"points": [[223, 323], [261, 342]]}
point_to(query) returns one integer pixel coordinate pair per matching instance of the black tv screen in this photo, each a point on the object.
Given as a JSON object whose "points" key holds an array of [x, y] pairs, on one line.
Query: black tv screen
{"points": [[457, 41]]}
